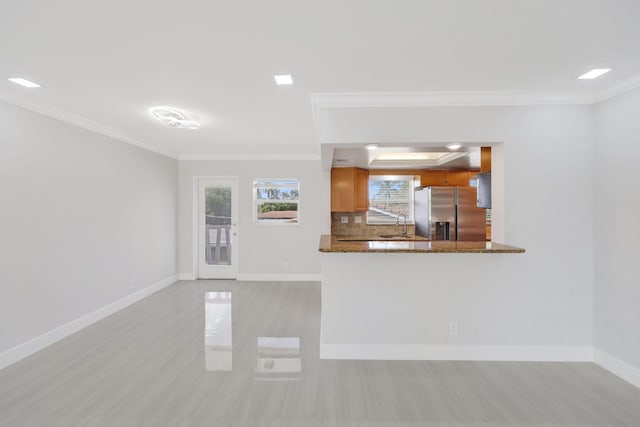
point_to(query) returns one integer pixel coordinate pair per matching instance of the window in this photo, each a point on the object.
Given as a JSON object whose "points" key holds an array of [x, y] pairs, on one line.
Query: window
{"points": [[276, 201], [390, 196]]}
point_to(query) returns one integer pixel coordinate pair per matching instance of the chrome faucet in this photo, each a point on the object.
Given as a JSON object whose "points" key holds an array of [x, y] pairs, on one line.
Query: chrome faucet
{"points": [[404, 227]]}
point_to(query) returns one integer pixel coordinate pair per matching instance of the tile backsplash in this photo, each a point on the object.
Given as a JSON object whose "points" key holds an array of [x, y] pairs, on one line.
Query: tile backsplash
{"points": [[352, 228]]}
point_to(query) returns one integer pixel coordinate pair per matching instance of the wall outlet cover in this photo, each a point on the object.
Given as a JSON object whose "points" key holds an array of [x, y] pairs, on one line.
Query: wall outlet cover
{"points": [[453, 328], [358, 220]]}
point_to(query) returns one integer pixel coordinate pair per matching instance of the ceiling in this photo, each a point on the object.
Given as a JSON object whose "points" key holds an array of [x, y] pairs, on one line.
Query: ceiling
{"points": [[103, 65]]}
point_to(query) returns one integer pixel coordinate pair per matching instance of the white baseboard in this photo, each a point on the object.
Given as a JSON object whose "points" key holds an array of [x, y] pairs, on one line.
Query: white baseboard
{"points": [[293, 277], [616, 366], [187, 276], [457, 352], [27, 348]]}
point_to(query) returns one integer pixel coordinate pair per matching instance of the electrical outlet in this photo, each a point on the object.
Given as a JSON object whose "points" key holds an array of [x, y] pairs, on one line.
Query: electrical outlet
{"points": [[285, 265], [345, 219], [358, 220], [453, 328]]}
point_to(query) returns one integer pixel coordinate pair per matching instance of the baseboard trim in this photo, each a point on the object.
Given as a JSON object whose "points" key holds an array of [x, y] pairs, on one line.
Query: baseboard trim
{"points": [[187, 276], [457, 352], [36, 344], [279, 277], [627, 372]]}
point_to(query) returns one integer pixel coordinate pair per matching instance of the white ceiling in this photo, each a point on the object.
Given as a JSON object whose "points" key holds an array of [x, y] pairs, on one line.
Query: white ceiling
{"points": [[104, 64]]}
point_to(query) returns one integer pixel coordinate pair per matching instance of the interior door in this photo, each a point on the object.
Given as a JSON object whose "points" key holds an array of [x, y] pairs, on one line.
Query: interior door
{"points": [[218, 228]]}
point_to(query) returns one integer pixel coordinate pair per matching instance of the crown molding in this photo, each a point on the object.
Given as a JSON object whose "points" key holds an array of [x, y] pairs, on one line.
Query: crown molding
{"points": [[80, 121], [464, 98], [243, 156], [615, 90], [443, 99]]}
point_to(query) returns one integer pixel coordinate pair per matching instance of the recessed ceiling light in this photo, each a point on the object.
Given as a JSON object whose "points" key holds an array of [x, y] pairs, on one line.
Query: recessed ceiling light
{"points": [[371, 146], [455, 146], [596, 72], [283, 79], [173, 118], [23, 82]]}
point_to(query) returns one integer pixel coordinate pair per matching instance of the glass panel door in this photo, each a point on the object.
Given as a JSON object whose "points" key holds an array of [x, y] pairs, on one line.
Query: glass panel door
{"points": [[217, 231]]}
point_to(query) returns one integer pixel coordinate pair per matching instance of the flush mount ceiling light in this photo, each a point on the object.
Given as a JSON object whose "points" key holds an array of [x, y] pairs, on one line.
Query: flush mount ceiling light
{"points": [[454, 146], [371, 146], [23, 82], [173, 118], [283, 79], [595, 73]]}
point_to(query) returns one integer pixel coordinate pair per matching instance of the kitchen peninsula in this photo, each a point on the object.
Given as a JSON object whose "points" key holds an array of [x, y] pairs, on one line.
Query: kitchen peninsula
{"points": [[332, 244], [405, 300]]}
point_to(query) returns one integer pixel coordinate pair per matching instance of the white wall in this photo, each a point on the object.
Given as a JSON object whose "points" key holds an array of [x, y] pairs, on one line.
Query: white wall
{"points": [[545, 296], [84, 222], [617, 229], [398, 306], [263, 249]]}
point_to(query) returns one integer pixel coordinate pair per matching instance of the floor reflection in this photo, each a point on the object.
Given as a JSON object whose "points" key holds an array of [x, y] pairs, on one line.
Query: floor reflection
{"points": [[145, 366], [218, 344], [278, 358]]}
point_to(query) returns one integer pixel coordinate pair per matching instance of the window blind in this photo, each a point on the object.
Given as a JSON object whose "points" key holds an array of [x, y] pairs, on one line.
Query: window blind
{"points": [[390, 196]]}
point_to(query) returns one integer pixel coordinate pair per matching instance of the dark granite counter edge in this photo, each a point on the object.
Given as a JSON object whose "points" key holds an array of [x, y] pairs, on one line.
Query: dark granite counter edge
{"points": [[329, 244]]}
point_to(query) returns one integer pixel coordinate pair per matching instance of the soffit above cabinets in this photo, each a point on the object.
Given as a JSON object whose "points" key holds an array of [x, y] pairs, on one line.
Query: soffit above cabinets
{"points": [[415, 156]]}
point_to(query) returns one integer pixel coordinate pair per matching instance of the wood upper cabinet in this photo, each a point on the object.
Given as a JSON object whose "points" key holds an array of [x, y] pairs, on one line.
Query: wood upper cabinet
{"points": [[430, 178], [485, 159], [349, 190], [460, 178]]}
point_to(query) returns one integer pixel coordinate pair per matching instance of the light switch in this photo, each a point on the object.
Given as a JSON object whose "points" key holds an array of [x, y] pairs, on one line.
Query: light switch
{"points": [[345, 219]]}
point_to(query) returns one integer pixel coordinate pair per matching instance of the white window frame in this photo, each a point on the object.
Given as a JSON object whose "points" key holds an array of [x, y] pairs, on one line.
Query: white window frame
{"points": [[257, 201], [411, 180]]}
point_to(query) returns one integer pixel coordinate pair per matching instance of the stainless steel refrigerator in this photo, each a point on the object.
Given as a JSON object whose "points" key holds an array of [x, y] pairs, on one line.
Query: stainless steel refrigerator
{"points": [[449, 213]]}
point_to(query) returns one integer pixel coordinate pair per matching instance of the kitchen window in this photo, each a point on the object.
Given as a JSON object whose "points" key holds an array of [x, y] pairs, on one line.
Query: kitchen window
{"points": [[390, 196], [276, 201]]}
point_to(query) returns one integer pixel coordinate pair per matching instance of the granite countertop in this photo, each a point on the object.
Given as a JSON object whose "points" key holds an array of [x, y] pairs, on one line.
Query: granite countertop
{"points": [[330, 243], [367, 238]]}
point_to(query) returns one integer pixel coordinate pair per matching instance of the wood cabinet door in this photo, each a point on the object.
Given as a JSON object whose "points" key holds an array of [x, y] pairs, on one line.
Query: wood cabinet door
{"points": [[458, 178], [349, 190], [485, 159], [361, 196], [342, 189], [431, 178], [438, 178]]}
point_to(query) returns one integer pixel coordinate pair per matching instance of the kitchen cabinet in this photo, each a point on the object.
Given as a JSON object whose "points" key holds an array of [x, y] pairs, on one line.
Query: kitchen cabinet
{"points": [[485, 159], [349, 190], [430, 178]]}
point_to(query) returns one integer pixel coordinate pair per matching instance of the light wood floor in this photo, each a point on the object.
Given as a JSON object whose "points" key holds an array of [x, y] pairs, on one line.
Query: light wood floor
{"points": [[146, 365]]}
